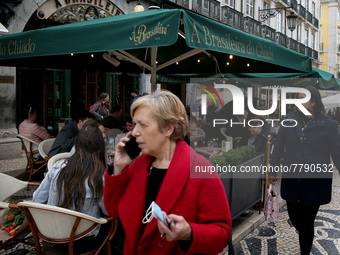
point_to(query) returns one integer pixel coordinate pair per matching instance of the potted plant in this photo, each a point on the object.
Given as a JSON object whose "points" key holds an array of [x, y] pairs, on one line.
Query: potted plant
{"points": [[240, 171]]}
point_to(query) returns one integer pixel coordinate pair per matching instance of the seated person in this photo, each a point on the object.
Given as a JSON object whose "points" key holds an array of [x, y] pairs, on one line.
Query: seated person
{"points": [[112, 120], [192, 125], [102, 129], [67, 184], [32, 130], [68, 134], [258, 136], [129, 124]]}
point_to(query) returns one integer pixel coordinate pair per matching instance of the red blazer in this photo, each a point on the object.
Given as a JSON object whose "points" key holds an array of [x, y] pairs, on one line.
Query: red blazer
{"points": [[201, 201]]}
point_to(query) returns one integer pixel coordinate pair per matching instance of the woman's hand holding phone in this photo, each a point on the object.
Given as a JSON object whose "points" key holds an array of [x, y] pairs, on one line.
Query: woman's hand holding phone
{"points": [[176, 228], [121, 159]]}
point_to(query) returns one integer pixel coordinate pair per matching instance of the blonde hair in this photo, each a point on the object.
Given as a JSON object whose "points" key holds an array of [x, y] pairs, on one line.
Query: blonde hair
{"points": [[168, 110]]}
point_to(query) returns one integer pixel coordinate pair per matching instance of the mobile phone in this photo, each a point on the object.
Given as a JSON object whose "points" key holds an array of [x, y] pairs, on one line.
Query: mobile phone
{"points": [[131, 147]]}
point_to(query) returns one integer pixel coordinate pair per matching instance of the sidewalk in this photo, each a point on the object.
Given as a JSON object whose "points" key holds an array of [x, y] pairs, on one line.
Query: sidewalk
{"points": [[251, 235]]}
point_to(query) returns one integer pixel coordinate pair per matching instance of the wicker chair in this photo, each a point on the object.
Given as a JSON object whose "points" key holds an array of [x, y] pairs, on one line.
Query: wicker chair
{"points": [[45, 146], [59, 225], [113, 131], [30, 148], [57, 157], [9, 186]]}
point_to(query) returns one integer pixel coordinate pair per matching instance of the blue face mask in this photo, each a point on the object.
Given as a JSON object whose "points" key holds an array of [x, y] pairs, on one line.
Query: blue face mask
{"points": [[153, 211]]}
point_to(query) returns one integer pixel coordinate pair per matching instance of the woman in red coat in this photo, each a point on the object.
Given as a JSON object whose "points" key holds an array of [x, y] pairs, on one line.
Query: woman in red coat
{"points": [[195, 207]]}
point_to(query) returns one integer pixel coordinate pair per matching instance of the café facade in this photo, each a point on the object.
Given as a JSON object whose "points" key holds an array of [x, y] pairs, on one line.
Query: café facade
{"points": [[58, 61]]}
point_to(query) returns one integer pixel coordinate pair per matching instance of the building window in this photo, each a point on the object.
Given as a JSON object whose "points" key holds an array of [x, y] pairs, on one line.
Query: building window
{"points": [[320, 14], [250, 8], [307, 5], [230, 3], [313, 9], [279, 22], [313, 41], [205, 4], [266, 6], [298, 33], [289, 33], [306, 37]]}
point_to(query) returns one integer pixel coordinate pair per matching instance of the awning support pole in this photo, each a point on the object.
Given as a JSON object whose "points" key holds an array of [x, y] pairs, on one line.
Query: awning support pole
{"points": [[128, 57], [153, 68], [181, 57]]}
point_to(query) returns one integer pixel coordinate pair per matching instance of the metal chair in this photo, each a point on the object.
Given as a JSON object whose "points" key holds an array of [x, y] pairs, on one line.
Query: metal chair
{"points": [[30, 148], [9, 186], [45, 146], [59, 225], [57, 157]]}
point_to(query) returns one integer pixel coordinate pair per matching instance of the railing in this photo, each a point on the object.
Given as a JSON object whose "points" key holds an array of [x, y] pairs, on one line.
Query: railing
{"points": [[315, 55], [252, 26], [292, 44], [209, 8], [301, 10], [294, 4], [281, 39], [309, 52], [232, 17], [309, 17], [268, 33], [315, 22], [184, 3], [301, 48]]}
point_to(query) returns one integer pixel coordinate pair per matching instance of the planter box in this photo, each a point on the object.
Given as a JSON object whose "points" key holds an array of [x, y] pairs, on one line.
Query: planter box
{"points": [[243, 189]]}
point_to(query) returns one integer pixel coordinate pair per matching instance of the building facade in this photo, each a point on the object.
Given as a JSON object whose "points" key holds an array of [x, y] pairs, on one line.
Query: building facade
{"points": [[330, 32], [61, 93]]}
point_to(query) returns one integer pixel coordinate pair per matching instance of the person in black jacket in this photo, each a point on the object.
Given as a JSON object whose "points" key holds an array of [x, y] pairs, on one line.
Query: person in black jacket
{"points": [[308, 142], [258, 135], [68, 134], [112, 121]]}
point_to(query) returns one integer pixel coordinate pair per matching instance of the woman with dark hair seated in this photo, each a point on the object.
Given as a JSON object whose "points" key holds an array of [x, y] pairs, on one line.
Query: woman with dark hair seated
{"points": [[77, 183]]}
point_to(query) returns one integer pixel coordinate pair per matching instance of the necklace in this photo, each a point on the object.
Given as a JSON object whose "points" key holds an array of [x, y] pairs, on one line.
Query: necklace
{"points": [[152, 167], [304, 123]]}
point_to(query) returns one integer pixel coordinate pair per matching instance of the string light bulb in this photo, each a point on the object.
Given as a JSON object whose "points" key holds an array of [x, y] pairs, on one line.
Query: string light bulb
{"points": [[71, 54], [227, 63], [198, 60], [156, 62], [177, 63], [231, 56], [92, 55], [248, 64]]}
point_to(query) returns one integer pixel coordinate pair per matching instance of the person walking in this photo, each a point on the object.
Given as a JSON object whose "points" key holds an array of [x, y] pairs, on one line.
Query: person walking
{"points": [[199, 219], [99, 109], [308, 143]]}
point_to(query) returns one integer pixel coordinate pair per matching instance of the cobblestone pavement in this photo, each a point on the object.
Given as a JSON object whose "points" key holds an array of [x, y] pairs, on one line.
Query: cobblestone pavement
{"points": [[282, 238]]}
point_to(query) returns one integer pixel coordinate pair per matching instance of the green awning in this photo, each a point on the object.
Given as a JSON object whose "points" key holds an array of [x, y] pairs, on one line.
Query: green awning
{"points": [[142, 38], [317, 78]]}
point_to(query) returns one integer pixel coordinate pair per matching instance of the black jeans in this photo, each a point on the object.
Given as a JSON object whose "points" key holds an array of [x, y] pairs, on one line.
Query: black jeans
{"points": [[303, 217]]}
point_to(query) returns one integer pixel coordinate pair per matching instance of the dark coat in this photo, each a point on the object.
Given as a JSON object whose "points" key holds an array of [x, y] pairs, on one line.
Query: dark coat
{"points": [[65, 139], [201, 201], [112, 122], [99, 110], [311, 147]]}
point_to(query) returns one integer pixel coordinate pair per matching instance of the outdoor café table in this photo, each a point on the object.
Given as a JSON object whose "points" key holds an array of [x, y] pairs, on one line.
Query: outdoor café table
{"points": [[207, 151], [196, 138]]}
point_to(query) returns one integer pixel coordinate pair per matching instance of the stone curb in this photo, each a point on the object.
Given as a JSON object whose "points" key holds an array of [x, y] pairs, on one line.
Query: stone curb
{"points": [[247, 226]]}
